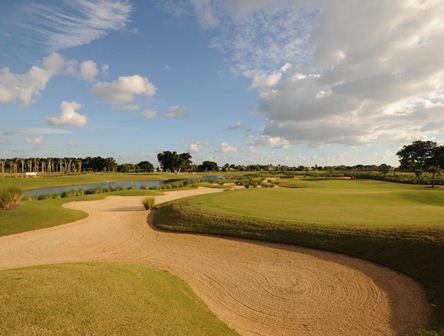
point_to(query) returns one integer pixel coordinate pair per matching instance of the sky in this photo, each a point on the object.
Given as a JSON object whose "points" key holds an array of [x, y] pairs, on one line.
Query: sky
{"points": [[292, 82]]}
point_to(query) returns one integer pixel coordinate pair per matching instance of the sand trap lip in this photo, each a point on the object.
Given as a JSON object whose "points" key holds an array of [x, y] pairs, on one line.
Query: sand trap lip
{"points": [[256, 288]]}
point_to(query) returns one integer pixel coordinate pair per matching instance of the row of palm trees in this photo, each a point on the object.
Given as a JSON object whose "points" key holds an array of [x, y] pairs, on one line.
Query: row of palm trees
{"points": [[41, 165]]}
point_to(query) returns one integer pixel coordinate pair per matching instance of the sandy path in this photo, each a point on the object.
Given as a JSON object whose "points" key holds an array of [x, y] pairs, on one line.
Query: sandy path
{"points": [[256, 288]]}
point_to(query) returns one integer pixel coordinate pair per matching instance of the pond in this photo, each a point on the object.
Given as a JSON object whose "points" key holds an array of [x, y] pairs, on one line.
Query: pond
{"points": [[137, 184]]}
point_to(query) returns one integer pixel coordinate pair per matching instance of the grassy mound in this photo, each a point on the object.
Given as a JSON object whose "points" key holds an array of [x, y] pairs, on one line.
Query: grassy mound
{"points": [[398, 226], [101, 299]]}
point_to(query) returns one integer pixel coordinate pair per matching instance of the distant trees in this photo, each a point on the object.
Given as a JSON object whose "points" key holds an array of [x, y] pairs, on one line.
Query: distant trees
{"points": [[174, 162], [61, 165], [126, 168], [207, 166], [145, 166], [384, 168]]}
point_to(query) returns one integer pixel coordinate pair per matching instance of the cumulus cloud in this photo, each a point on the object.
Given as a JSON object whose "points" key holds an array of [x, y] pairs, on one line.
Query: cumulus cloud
{"points": [[88, 70], [381, 80], [124, 89], [68, 116], [149, 114], [226, 148], [25, 87], [274, 142], [175, 112], [38, 140], [196, 147], [73, 23]]}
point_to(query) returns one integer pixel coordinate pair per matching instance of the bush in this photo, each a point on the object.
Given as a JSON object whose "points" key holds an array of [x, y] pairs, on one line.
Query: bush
{"points": [[148, 203], [42, 197], [90, 191], [10, 197]]}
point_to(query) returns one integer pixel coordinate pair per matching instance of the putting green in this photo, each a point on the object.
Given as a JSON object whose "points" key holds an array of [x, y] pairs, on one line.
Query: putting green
{"points": [[101, 299]]}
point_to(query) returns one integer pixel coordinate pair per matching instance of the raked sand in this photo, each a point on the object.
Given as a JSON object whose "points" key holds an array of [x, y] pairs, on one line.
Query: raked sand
{"points": [[256, 288]]}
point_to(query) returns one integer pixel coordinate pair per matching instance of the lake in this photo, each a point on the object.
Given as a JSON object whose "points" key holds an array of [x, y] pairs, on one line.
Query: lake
{"points": [[137, 184]]}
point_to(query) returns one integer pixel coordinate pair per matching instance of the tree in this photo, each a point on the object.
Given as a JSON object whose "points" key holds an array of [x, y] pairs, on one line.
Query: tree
{"points": [[171, 161], [207, 166], [417, 155], [145, 166], [434, 170], [384, 168], [125, 168]]}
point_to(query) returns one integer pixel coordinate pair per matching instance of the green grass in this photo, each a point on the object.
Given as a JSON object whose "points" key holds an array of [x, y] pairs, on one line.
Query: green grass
{"points": [[33, 215], [101, 299], [395, 225]]}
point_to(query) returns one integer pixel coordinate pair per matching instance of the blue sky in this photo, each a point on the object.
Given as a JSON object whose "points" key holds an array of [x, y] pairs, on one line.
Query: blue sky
{"points": [[284, 81]]}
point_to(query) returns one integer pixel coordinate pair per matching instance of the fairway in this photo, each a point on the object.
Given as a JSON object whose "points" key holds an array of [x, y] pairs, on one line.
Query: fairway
{"points": [[399, 226], [101, 299], [354, 204]]}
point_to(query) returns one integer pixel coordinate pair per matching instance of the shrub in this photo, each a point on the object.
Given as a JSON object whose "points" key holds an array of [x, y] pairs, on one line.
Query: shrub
{"points": [[42, 197], [10, 197], [132, 187], [90, 191], [143, 187], [148, 203]]}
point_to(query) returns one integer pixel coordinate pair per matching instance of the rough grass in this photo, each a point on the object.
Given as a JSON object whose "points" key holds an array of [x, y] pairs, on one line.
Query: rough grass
{"points": [[39, 214], [398, 226], [101, 299]]}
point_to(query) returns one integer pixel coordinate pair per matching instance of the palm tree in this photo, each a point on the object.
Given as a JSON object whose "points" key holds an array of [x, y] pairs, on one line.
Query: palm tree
{"points": [[434, 170]]}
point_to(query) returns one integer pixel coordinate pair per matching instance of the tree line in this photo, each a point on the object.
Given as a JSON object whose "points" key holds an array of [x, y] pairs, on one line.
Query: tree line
{"points": [[416, 157]]}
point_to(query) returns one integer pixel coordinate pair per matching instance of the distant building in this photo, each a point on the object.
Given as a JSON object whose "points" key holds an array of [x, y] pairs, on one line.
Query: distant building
{"points": [[31, 174]]}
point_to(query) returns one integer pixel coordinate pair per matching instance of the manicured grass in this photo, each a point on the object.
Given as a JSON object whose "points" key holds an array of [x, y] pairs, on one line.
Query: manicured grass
{"points": [[33, 215], [101, 299], [399, 226]]}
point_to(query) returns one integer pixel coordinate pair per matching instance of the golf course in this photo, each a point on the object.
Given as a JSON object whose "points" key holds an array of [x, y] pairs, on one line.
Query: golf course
{"points": [[231, 286]]}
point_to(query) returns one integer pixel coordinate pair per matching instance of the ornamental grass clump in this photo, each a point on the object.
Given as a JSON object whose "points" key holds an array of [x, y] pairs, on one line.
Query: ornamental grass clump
{"points": [[10, 198], [148, 203]]}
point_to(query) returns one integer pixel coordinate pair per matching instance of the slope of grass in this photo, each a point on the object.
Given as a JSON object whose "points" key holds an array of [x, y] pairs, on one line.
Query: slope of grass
{"points": [[101, 299], [33, 215], [398, 226]]}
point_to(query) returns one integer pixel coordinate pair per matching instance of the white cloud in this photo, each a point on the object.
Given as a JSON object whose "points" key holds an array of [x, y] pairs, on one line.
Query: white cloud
{"points": [[274, 142], [38, 140], [69, 115], [206, 13], [105, 69], [25, 87], [88, 70], [175, 112], [73, 23], [149, 114], [226, 148], [381, 80], [196, 147], [237, 125], [124, 89]]}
